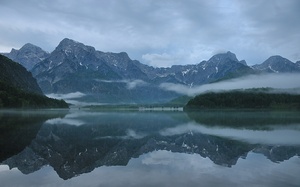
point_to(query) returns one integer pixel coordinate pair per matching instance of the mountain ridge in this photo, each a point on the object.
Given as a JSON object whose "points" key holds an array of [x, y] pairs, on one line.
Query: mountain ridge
{"points": [[74, 66], [28, 55], [277, 64]]}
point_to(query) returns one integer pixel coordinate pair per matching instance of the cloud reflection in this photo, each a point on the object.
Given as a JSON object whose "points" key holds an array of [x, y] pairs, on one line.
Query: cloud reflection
{"points": [[164, 168], [277, 136], [65, 121]]}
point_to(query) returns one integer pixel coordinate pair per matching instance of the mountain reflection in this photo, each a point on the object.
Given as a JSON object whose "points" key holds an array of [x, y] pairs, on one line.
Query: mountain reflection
{"points": [[18, 128], [83, 141]]}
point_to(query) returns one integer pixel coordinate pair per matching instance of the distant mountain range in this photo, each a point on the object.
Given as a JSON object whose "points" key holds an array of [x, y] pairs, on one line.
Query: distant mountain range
{"points": [[114, 77]]}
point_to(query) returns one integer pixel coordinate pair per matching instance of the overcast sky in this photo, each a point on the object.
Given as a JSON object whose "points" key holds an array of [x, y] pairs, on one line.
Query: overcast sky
{"points": [[158, 32]]}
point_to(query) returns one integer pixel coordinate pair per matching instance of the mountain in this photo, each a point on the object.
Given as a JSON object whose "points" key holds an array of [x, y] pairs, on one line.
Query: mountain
{"points": [[217, 67], [17, 76], [278, 64], [71, 56], [115, 78], [18, 89], [106, 77], [28, 55]]}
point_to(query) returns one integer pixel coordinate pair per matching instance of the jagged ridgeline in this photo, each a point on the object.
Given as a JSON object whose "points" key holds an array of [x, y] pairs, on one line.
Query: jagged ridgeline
{"points": [[247, 99], [106, 77], [18, 89]]}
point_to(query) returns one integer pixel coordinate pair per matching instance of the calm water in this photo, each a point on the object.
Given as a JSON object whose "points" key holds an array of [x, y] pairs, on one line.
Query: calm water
{"points": [[94, 148]]}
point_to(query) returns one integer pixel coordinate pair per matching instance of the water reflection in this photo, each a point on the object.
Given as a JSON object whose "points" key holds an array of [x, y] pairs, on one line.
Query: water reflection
{"points": [[82, 141], [18, 128]]}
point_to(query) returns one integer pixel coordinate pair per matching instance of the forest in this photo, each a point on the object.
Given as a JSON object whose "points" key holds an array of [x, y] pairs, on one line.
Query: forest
{"points": [[11, 97], [244, 99]]}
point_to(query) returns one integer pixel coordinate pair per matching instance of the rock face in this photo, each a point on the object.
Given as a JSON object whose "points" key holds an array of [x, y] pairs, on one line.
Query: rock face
{"points": [[217, 67], [73, 66], [278, 64], [13, 74], [106, 77], [28, 56]]}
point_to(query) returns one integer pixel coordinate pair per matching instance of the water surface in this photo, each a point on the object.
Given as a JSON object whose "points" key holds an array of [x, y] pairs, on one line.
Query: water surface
{"points": [[149, 148]]}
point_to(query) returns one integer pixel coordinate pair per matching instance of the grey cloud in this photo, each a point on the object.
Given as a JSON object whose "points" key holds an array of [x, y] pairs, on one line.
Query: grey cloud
{"points": [[130, 84], [190, 31], [134, 83], [72, 95], [160, 60]]}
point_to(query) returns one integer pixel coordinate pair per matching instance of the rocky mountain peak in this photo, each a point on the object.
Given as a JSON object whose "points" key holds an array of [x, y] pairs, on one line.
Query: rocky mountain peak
{"points": [[223, 58], [68, 42], [276, 59], [277, 64], [29, 46], [30, 49], [28, 55], [68, 45]]}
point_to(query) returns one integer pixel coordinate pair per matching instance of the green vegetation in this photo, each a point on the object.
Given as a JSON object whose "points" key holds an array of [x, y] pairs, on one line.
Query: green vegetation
{"points": [[249, 99], [14, 74], [18, 89], [11, 97]]}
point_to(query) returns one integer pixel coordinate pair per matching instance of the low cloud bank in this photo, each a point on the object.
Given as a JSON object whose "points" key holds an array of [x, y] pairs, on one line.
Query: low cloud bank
{"points": [[130, 84], [276, 136], [73, 95], [279, 81], [71, 98]]}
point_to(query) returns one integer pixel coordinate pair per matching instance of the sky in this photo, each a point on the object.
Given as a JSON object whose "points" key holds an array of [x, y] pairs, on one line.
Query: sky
{"points": [[160, 33]]}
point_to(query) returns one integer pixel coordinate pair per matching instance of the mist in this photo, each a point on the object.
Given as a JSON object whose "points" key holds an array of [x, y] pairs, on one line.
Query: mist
{"points": [[72, 95], [71, 98], [277, 81], [130, 84]]}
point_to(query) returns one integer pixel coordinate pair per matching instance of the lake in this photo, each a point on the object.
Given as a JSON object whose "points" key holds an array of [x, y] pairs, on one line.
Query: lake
{"points": [[149, 148]]}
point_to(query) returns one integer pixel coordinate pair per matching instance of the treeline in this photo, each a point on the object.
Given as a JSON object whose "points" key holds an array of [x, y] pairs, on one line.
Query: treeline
{"points": [[244, 99], [11, 97]]}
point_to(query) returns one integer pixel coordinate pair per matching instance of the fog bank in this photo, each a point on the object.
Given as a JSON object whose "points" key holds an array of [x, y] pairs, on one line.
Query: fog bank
{"points": [[278, 81]]}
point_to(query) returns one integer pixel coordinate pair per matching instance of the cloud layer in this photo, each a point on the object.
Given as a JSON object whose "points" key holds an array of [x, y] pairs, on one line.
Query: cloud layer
{"points": [[281, 81], [160, 33]]}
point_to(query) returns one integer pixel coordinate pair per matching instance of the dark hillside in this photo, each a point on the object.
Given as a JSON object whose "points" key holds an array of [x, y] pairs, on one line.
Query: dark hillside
{"points": [[17, 76]]}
